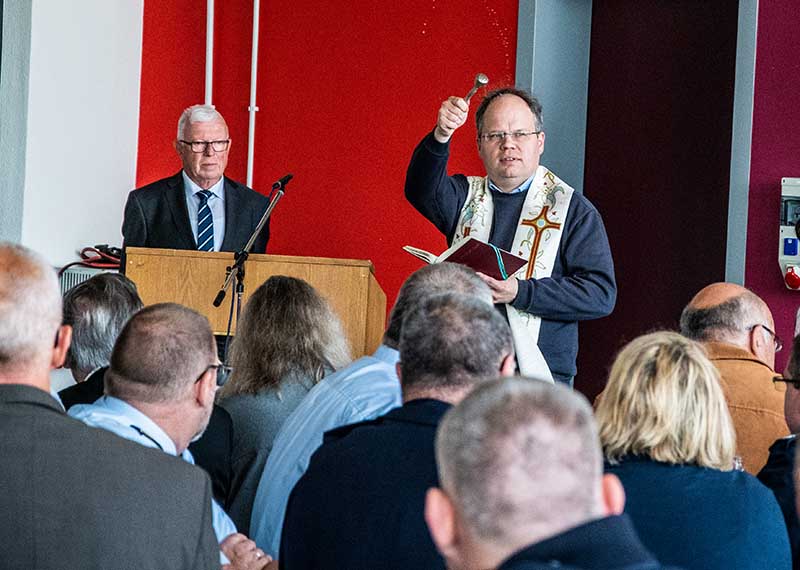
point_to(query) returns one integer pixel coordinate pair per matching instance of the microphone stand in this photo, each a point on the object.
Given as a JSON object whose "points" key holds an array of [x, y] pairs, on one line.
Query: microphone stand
{"points": [[236, 271]]}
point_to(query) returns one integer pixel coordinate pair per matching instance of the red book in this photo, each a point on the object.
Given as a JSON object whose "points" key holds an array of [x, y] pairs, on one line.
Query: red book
{"points": [[475, 254]]}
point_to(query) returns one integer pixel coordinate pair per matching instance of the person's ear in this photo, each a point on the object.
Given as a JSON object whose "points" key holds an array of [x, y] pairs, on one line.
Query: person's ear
{"points": [[399, 369], [508, 366], [61, 346], [206, 388], [440, 516], [613, 495]]}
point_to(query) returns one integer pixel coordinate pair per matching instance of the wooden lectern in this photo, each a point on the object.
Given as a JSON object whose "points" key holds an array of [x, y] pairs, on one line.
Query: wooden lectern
{"points": [[193, 278]]}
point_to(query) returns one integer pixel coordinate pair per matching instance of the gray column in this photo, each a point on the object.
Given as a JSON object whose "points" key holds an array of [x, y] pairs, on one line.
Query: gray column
{"points": [[553, 62], [14, 72]]}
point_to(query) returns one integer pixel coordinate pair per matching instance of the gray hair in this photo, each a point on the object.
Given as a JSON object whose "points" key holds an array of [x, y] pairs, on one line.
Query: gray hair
{"points": [[723, 322], [97, 309], [433, 280], [161, 351], [521, 458], [30, 307], [452, 341], [197, 114]]}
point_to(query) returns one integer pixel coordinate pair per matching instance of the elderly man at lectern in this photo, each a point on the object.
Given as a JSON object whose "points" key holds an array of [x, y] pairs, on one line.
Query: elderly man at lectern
{"points": [[521, 207], [197, 208]]}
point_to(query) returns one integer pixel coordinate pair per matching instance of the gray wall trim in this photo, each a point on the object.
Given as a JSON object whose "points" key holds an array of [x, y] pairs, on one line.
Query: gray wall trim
{"points": [[14, 73], [553, 41], [741, 141]]}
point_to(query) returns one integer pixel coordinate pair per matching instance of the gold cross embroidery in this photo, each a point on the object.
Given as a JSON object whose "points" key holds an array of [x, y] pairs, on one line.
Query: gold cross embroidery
{"points": [[539, 224]]}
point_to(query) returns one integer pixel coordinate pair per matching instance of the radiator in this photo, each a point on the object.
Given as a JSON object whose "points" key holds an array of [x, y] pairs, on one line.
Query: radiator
{"points": [[77, 274]]}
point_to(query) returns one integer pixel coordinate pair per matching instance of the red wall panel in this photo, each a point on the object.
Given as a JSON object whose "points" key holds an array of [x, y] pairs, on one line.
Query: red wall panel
{"points": [[346, 90], [776, 122]]}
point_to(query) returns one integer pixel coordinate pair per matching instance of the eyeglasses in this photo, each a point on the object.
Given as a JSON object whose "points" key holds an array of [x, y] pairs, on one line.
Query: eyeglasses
{"points": [[500, 136], [223, 372], [775, 338], [779, 381], [201, 146]]}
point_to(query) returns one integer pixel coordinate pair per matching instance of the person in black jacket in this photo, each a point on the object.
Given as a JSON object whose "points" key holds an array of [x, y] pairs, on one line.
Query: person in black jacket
{"points": [[360, 503], [523, 486], [778, 473]]}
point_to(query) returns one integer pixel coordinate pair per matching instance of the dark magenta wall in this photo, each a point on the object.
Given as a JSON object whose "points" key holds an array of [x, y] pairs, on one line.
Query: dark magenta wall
{"points": [[346, 90], [775, 154], [657, 160]]}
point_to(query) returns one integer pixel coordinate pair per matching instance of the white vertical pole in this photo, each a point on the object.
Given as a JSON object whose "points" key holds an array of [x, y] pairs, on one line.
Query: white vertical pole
{"points": [[251, 135], [209, 50]]}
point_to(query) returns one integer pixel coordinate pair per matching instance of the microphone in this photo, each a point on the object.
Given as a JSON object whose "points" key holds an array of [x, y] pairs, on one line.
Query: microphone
{"points": [[280, 184]]}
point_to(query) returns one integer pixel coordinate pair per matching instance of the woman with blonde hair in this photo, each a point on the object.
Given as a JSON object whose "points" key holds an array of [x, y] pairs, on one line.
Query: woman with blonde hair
{"points": [[288, 340], [667, 434]]}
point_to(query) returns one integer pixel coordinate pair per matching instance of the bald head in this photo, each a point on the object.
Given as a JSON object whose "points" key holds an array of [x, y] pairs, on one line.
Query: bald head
{"points": [[30, 312], [729, 313]]}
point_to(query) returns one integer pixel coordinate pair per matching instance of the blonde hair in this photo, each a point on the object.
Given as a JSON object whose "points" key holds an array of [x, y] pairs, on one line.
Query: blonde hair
{"points": [[287, 328], [664, 401]]}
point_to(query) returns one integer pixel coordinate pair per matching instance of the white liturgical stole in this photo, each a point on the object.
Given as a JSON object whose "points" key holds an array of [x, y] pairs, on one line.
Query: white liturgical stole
{"points": [[537, 239]]}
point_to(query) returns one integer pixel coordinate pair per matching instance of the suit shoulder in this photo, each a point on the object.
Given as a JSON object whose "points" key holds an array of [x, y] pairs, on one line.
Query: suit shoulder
{"points": [[155, 189], [246, 193]]}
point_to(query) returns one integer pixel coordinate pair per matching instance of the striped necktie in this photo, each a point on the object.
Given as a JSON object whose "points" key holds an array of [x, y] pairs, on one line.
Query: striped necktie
{"points": [[205, 223]]}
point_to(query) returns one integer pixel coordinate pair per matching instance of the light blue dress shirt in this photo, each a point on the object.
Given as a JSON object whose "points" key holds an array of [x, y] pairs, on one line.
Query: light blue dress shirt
{"points": [[215, 202], [119, 417], [366, 389], [521, 188]]}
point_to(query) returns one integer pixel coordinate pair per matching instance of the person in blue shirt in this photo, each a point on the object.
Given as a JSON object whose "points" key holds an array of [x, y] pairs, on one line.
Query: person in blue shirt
{"points": [[360, 503], [667, 434], [160, 389], [364, 390]]}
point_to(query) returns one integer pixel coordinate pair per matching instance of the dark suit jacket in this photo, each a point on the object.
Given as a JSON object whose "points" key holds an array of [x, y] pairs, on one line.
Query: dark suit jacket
{"points": [[777, 475], [79, 497], [609, 543], [212, 452], [361, 502], [156, 216]]}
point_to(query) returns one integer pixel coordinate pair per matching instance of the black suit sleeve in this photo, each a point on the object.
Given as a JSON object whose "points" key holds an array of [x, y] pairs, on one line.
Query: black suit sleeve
{"points": [[134, 227]]}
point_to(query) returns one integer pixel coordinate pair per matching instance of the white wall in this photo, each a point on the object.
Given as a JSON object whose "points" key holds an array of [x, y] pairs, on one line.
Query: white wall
{"points": [[83, 119]]}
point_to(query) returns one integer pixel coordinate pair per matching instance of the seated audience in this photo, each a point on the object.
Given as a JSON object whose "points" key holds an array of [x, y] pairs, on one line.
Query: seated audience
{"points": [[667, 434], [522, 485], [366, 389], [360, 503], [287, 340], [97, 309], [160, 389], [777, 474], [737, 330], [73, 496]]}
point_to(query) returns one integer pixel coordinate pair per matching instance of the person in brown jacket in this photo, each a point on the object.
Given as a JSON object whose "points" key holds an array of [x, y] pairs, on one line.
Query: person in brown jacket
{"points": [[737, 329]]}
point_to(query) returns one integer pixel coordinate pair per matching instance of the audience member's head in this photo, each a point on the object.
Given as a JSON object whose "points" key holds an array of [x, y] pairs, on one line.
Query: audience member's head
{"points": [[729, 313], [449, 342], [165, 363], [432, 280], [519, 461], [791, 401], [287, 330], [32, 338], [97, 309], [664, 401]]}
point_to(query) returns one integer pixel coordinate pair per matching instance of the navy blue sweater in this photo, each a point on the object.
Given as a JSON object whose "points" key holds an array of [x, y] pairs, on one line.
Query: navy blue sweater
{"points": [[704, 519], [582, 284]]}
